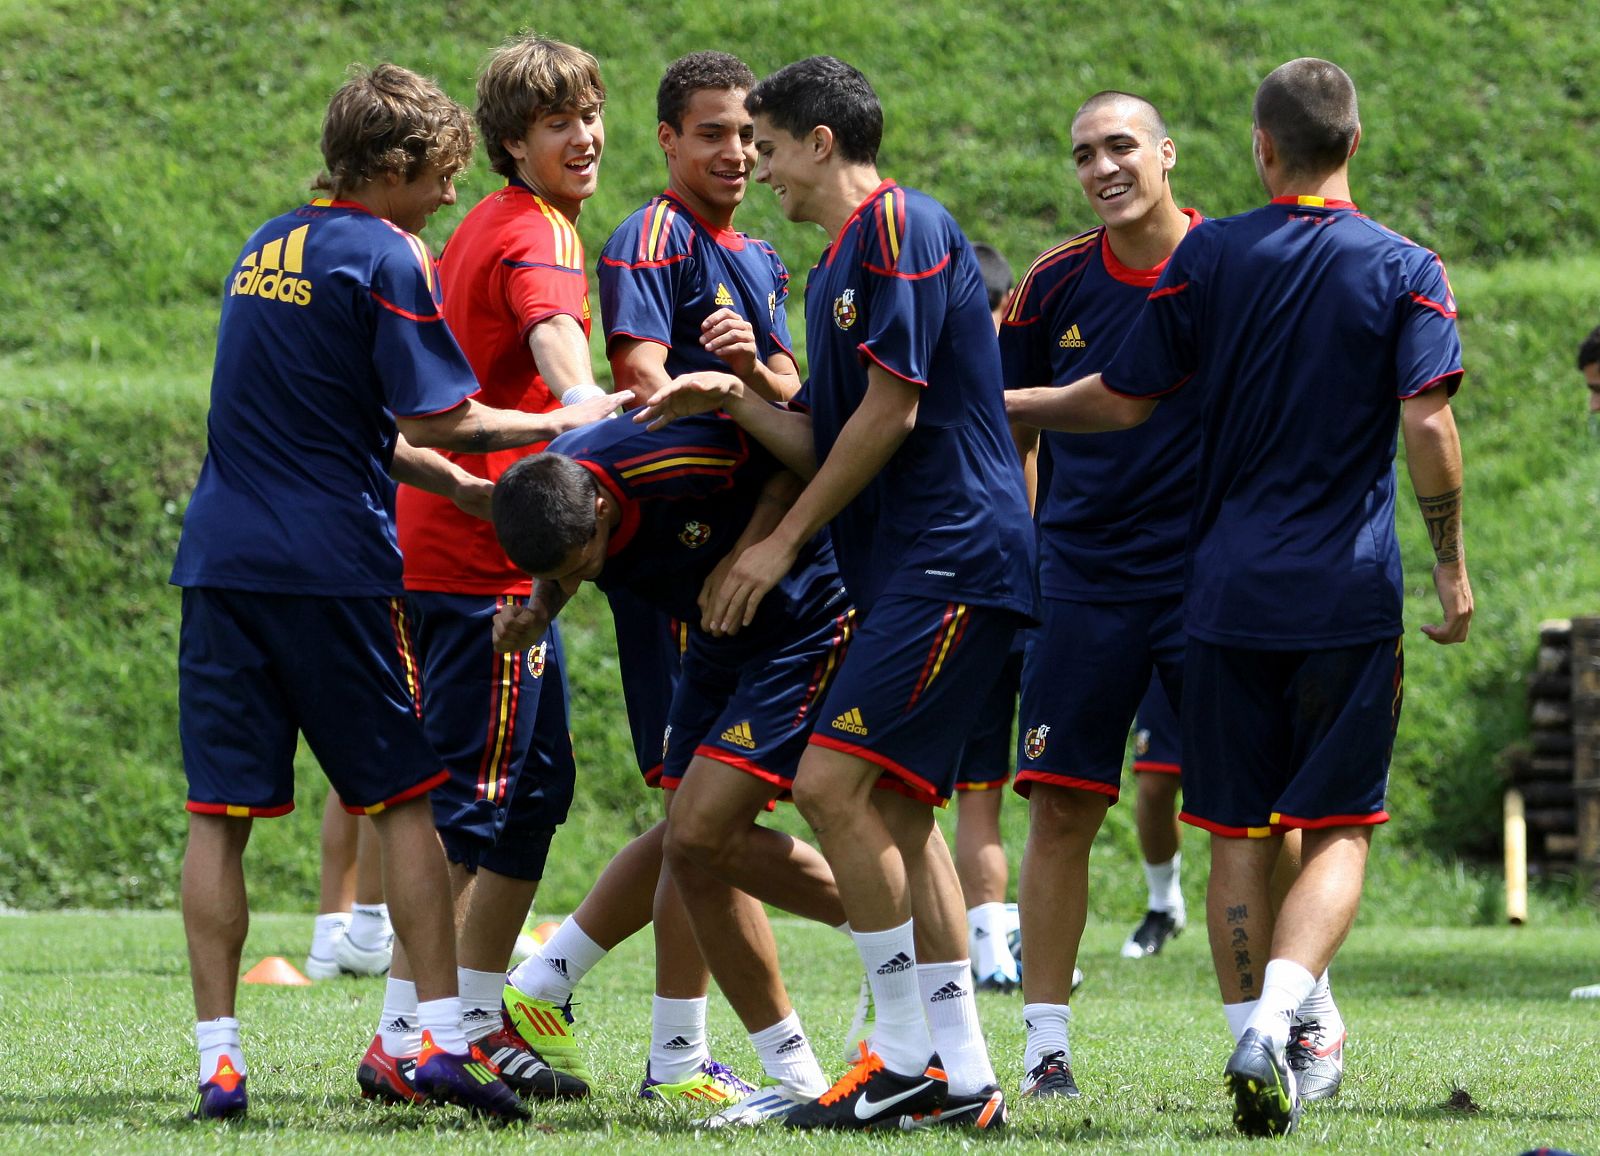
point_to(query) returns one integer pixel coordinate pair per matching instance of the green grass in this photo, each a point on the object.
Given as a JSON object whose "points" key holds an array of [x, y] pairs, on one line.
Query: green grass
{"points": [[102, 1003]]}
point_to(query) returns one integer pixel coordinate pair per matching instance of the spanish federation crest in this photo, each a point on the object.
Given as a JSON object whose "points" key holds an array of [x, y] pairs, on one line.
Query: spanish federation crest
{"points": [[694, 534], [536, 660], [1033, 742], [844, 309]]}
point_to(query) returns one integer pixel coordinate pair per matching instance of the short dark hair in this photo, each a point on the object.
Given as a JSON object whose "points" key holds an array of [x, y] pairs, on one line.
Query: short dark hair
{"points": [[997, 276], [543, 510], [1308, 107], [390, 120], [823, 90], [687, 75], [1589, 351], [1157, 122]]}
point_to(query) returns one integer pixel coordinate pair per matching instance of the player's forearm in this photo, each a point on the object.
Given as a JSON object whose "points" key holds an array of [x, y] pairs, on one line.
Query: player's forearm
{"points": [[1433, 458], [1026, 439], [776, 499], [1085, 406], [474, 428], [785, 433], [437, 474], [777, 380], [561, 353]]}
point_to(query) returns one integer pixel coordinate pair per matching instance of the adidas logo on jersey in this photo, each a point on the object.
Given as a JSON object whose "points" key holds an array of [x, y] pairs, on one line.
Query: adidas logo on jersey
{"points": [[267, 272], [949, 991], [677, 1044], [1072, 339], [739, 735], [723, 296], [851, 722], [793, 1044], [900, 962]]}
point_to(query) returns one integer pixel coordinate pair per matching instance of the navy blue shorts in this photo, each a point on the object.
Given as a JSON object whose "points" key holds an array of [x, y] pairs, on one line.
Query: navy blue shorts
{"points": [[751, 702], [255, 670], [912, 689], [650, 648], [1157, 740], [481, 711], [987, 757], [542, 793], [1274, 739], [1086, 669]]}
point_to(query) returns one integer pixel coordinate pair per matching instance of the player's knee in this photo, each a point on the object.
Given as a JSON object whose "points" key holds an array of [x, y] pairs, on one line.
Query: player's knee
{"points": [[1065, 815], [692, 838]]}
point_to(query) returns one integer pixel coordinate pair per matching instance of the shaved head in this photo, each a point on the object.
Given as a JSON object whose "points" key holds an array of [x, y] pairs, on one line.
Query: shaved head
{"points": [[1308, 108], [1149, 115]]}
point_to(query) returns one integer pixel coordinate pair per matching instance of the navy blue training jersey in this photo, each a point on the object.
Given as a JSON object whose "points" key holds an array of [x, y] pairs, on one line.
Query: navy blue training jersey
{"points": [[1112, 508], [946, 518], [686, 493], [330, 327], [1302, 325], [664, 271]]}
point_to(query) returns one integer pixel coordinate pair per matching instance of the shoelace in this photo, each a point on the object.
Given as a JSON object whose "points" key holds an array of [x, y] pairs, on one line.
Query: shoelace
{"points": [[720, 1071], [1304, 1038], [869, 1063], [1050, 1061]]}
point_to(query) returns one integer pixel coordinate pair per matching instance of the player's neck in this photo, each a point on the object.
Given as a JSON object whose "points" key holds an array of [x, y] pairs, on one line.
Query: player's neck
{"points": [[1145, 243], [714, 216], [850, 186], [1334, 186]]}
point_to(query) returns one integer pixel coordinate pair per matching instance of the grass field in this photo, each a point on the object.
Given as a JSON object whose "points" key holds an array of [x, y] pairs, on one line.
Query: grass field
{"points": [[101, 1056]]}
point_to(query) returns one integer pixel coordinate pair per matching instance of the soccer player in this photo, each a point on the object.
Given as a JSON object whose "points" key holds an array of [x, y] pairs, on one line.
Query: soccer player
{"points": [[654, 512], [1112, 513], [911, 469], [352, 934], [330, 347], [680, 289], [1157, 764], [1306, 331], [517, 299]]}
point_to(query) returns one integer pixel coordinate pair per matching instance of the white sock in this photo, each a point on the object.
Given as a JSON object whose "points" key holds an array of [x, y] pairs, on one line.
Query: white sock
{"points": [[480, 1001], [220, 1050], [677, 1038], [1238, 1016], [1046, 1027], [1284, 987], [901, 1037], [328, 929], [441, 1019], [786, 1055], [1162, 879], [842, 928], [953, 1023], [1319, 1006], [561, 962], [986, 943], [370, 929], [397, 1023]]}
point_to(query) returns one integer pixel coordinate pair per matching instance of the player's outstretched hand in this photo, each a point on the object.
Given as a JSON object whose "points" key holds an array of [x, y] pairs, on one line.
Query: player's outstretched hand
{"points": [[1455, 596], [589, 410], [731, 338], [738, 596], [711, 589], [688, 395], [519, 627]]}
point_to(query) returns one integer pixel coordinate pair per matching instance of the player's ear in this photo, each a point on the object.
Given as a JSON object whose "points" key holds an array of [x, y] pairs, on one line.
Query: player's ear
{"points": [[1169, 154], [666, 138], [821, 142]]}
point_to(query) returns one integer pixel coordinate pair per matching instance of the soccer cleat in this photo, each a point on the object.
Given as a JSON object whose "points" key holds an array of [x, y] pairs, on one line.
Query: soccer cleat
{"points": [[1050, 1078], [353, 960], [713, 1084], [223, 1096], [870, 1096], [1003, 984], [1152, 933], [318, 968], [1318, 1067], [1077, 978], [468, 1081], [983, 1111], [773, 1100], [1592, 991], [862, 1024], [1261, 1082], [387, 1078], [524, 1069], [547, 1029]]}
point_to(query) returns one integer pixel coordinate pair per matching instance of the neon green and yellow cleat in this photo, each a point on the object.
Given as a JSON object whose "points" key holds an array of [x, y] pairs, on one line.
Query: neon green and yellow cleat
{"points": [[548, 1029]]}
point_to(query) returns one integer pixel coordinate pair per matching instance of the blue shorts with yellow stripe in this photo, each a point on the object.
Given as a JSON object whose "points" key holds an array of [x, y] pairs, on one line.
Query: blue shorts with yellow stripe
{"points": [[255, 670], [912, 689], [1277, 739]]}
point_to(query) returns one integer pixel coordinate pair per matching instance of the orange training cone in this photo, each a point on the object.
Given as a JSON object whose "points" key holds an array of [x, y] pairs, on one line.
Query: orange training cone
{"points": [[276, 970], [544, 931]]}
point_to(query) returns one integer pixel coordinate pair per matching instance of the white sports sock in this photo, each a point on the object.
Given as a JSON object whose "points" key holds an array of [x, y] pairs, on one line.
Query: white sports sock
{"points": [[1045, 1025], [1164, 883], [786, 1055], [441, 1018], [986, 943], [218, 1040], [842, 928], [370, 929], [1284, 987], [397, 1023], [1319, 1006], [1238, 1015], [901, 1037], [559, 965], [953, 1023], [480, 1001], [677, 1038], [328, 929]]}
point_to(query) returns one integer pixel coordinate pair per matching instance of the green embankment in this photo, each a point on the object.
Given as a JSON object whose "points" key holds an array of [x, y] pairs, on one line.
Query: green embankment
{"points": [[144, 140]]}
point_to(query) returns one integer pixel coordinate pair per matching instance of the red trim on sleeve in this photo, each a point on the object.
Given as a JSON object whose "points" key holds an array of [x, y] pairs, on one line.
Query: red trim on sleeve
{"points": [[867, 354], [908, 276], [1440, 307], [1145, 396], [1169, 290], [1451, 381], [406, 313]]}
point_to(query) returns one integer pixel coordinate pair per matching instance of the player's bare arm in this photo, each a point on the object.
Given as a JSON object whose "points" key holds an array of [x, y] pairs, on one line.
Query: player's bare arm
{"points": [[785, 433], [732, 338], [777, 496], [519, 627], [437, 474], [886, 415], [1433, 457], [1026, 439], [561, 351], [1085, 406], [472, 428], [640, 367]]}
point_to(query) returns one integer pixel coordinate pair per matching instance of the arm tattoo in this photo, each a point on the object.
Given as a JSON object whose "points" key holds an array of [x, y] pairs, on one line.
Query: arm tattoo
{"points": [[1442, 513], [480, 440]]}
